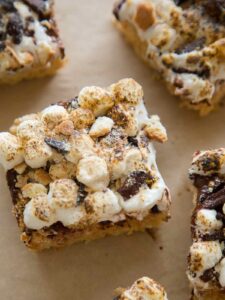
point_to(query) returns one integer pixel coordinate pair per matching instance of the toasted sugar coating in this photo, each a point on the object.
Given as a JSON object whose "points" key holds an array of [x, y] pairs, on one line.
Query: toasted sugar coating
{"points": [[143, 288], [184, 43], [77, 168], [29, 44]]}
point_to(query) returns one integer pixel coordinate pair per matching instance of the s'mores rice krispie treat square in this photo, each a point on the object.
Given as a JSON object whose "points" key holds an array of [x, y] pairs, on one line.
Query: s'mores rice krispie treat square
{"points": [[29, 41], [206, 263], [144, 288], [85, 168], [184, 41]]}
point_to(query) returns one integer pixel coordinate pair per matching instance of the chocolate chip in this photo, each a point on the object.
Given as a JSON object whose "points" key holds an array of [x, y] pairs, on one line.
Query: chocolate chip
{"points": [[208, 275], [133, 183], [15, 28], [155, 209], [60, 146], [11, 177], [117, 8], [39, 6], [197, 44], [133, 141], [204, 72], [82, 194]]}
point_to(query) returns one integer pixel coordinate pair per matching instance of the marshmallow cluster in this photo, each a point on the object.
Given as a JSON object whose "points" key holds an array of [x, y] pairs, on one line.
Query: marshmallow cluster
{"points": [[88, 146], [144, 288]]}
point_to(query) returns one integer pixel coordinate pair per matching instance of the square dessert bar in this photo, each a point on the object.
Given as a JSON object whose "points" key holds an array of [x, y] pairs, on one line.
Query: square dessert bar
{"points": [[144, 288], [184, 41], [206, 263], [29, 42], [85, 168]]}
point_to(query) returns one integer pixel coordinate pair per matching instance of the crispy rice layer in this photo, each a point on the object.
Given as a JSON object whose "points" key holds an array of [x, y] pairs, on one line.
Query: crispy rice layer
{"points": [[185, 43], [29, 41], [85, 168]]}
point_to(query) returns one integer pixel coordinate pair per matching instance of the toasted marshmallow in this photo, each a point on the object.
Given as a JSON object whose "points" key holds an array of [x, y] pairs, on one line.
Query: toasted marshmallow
{"points": [[204, 256], [132, 158], [81, 146], [101, 127], [206, 221], [103, 206], [146, 289], [63, 169], [92, 171], [32, 190], [72, 216], [82, 118], [38, 213], [37, 153], [98, 100], [30, 129], [127, 90], [63, 193], [140, 204], [53, 115], [10, 151], [155, 130]]}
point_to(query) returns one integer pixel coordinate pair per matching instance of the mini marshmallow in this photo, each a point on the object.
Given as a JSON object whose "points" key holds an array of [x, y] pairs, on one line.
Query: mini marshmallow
{"points": [[38, 213], [92, 171], [82, 118], [132, 158], [155, 130], [204, 256], [53, 115], [71, 216], [206, 221], [81, 146], [140, 204], [37, 153], [98, 100], [10, 151], [30, 129], [127, 90], [103, 206], [101, 127], [31, 190], [63, 193]]}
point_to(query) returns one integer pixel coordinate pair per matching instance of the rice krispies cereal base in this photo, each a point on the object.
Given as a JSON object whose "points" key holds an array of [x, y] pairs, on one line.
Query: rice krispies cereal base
{"points": [[29, 41], [85, 168], [183, 41]]}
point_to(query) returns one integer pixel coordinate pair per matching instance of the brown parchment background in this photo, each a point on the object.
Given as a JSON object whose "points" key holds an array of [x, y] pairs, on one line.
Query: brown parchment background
{"points": [[97, 55]]}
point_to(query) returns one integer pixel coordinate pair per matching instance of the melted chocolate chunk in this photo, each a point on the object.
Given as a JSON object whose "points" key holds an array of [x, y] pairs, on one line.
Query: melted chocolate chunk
{"points": [[11, 180], [133, 141], [60, 146], [155, 209], [82, 194], [194, 45], [117, 8], [7, 5], [15, 28], [215, 9], [208, 275], [133, 183], [203, 73], [38, 6], [215, 199], [216, 236]]}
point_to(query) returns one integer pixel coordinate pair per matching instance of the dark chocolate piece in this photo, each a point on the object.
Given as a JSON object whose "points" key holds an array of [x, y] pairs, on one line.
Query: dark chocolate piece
{"points": [[208, 275], [38, 6], [194, 45], [133, 183], [215, 9], [216, 236], [82, 194], [15, 28], [7, 5], [215, 199], [155, 209], [60, 146], [203, 73], [133, 141], [11, 177]]}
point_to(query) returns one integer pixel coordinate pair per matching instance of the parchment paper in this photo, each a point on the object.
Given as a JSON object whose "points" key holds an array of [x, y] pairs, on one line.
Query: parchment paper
{"points": [[97, 55]]}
